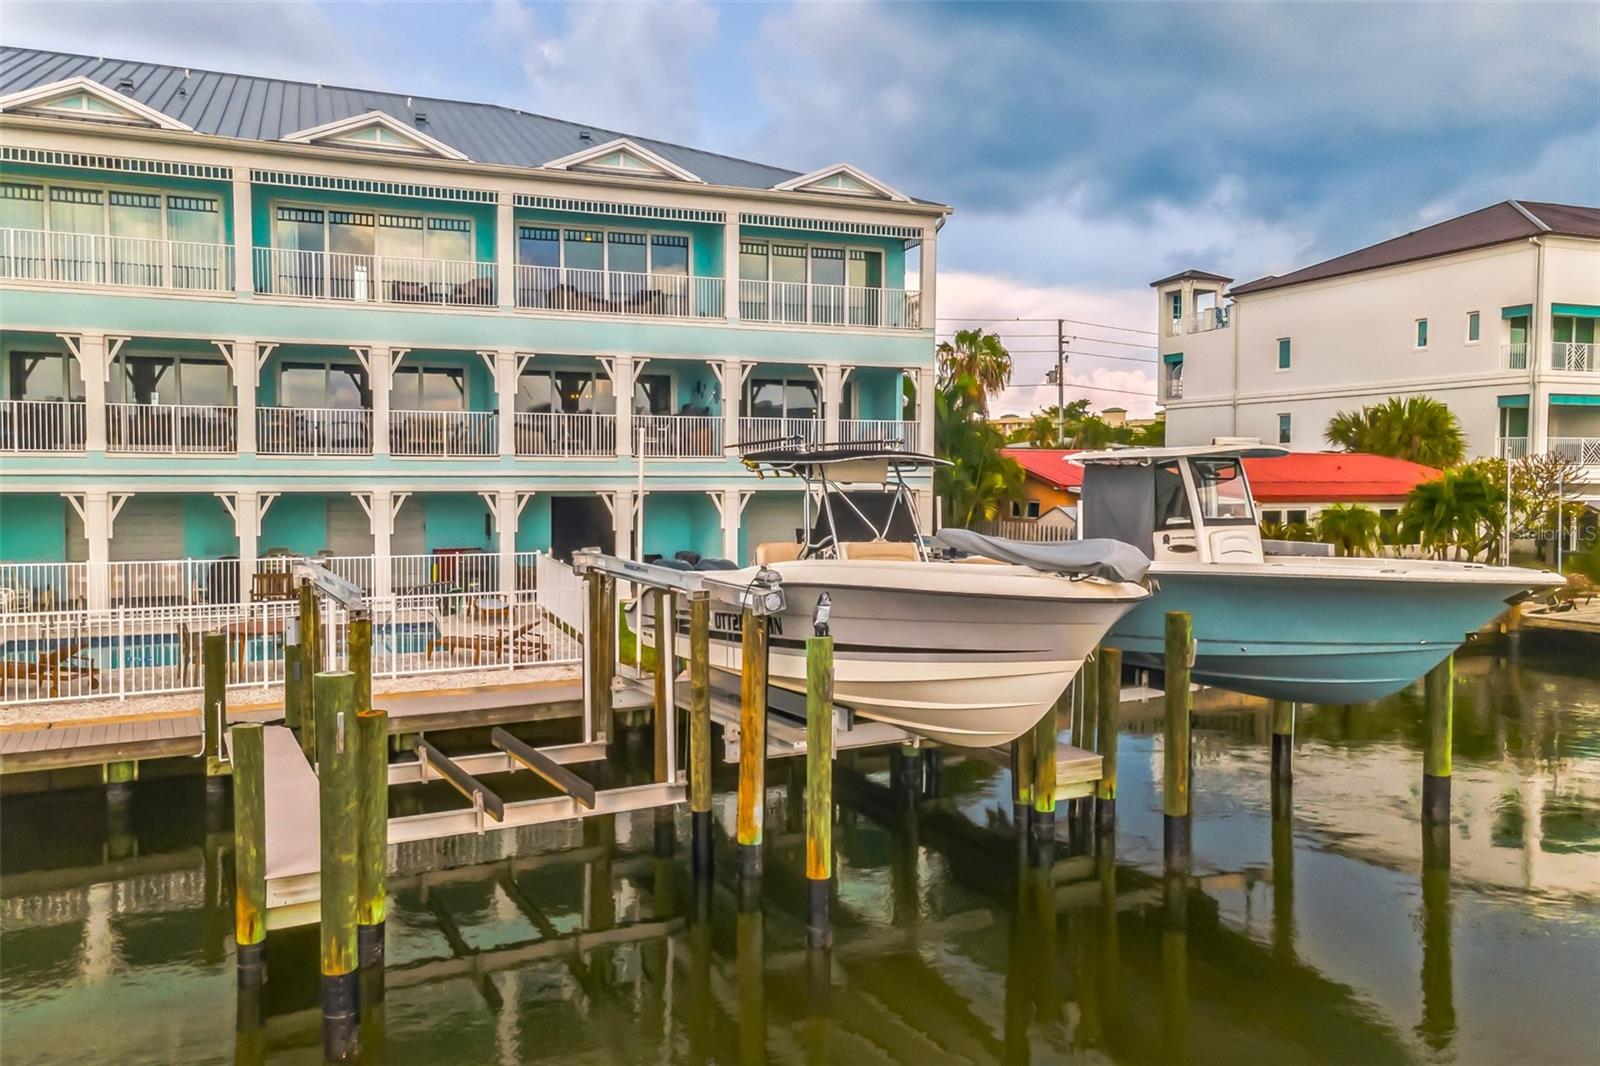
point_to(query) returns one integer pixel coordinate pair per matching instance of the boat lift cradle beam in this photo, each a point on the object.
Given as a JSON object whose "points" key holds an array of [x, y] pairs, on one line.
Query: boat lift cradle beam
{"points": [[762, 596]]}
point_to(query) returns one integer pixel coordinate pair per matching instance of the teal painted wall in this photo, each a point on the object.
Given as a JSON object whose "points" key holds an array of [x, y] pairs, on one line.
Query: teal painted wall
{"points": [[220, 190], [265, 198], [680, 521], [697, 386], [455, 520], [33, 528], [208, 528], [298, 522], [877, 393], [533, 528]]}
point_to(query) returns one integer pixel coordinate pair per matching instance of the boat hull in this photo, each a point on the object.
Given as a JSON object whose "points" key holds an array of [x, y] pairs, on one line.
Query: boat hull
{"points": [[966, 655], [1319, 632]]}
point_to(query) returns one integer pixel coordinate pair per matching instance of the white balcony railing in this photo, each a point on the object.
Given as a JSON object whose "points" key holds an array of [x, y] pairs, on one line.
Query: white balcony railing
{"points": [[1173, 389], [618, 292], [558, 434], [459, 434], [1511, 447], [796, 303], [1207, 319], [133, 262], [374, 278], [156, 428], [1514, 356], [758, 429], [42, 425], [1574, 355], [878, 430], [313, 431], [1584, 450], [678, 436]]}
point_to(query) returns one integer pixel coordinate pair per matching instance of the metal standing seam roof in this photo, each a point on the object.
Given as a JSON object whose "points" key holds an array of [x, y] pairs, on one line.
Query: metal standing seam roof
{"points": [[269, 109]]}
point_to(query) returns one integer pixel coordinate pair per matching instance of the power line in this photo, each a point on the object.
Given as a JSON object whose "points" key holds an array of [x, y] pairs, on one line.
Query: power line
{"points": [[1091, 388], [1074, 321], [1077, 337]]}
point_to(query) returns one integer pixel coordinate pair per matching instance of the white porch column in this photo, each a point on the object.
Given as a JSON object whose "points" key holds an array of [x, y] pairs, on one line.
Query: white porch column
{"points": [[247, 508], [832, 401], [730, 264], [622, 522], [730, 507], [90, 350], [928, 277], [505, 249], [504, 365], [98, 511], [243, 236], [925, 387], [505, 527], [380, 369], [730, 375], [381, 506], [246, 376], [622, 370]]}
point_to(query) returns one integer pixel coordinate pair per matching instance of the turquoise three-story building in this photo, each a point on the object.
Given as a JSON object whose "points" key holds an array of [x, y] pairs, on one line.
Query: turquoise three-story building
{"points": [[245, 319]]}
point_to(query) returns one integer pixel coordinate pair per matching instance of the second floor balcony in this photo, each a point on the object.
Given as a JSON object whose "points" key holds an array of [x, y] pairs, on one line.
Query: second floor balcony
{"points": [[122, 262], [359, 278], [42, 425], [1579, 356], [551, 288], [802, 303], [172, 428]]}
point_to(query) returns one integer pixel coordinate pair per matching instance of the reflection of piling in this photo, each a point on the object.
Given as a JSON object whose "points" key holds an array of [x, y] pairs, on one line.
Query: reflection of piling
{"points": [[752, 744], [750, 953], [700, 733], [819, 790], [1282, 756], [1174, 968], [372, 774], [1177, 758], [1438, 690], [249, 849], [1438, 1022], [1109, 691], [339, 812]]}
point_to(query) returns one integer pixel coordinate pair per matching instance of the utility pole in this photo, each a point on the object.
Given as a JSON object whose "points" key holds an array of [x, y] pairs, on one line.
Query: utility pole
{"points": [[1061, 382]]}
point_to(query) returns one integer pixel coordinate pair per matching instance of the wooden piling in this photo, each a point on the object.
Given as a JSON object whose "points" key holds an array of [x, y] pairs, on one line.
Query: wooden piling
{"points": [[214, 712], [700, 733], [372, 849], [666, 623], [293, 689], [339, 812], [310, 666], [359, 660], [752, 744], [1282, 757], [1438, 691], [1177, 757], [1088, 703], [1109, 691], [245, 745], [819, 790], [1022, 767], [606, 660], [1043, 823]]}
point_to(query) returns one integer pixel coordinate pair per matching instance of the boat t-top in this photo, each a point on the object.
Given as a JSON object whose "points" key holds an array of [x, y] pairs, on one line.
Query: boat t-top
{"points": [[1270, 620], [970, 652]]}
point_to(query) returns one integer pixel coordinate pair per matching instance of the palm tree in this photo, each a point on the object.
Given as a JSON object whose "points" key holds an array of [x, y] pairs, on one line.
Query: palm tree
{"points": [[1351, 528], [981, 477], [978, 357], [1417, 428], [1457, 512]]}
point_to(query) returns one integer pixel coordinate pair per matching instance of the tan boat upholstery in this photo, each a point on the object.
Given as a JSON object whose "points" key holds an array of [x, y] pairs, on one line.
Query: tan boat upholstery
{"points": [[776, 551], [878, 549]]}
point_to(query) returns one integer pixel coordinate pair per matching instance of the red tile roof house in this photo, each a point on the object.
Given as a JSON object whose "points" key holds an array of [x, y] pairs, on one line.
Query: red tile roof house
{"points": [[1288, 488]]}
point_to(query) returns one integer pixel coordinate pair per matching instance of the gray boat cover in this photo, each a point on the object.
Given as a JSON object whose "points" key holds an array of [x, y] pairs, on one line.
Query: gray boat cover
{"points": [[1109, 559]]}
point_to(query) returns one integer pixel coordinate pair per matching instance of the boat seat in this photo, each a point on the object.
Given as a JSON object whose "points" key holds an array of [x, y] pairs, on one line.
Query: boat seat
{"points": [[776, 551], [879, 549]]}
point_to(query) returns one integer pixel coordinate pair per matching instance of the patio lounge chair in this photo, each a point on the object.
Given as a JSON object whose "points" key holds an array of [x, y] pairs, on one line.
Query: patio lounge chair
{"points": [[49, 668]]}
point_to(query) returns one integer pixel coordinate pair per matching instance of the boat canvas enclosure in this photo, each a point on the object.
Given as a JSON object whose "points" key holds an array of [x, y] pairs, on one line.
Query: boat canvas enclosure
{"points": [[1119, 503]]}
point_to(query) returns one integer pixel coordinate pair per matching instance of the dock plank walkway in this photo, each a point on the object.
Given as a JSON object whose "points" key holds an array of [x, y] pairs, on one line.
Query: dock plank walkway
{"points": [[63, 745]]}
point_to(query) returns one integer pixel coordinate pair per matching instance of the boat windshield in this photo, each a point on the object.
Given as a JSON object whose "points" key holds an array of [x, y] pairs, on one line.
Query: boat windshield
{"points": [[1172, 500], [1224, 495]]}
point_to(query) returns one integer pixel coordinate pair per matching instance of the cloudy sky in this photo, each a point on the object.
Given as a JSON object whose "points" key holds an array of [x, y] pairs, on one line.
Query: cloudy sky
{"points": [[1087, 149]]}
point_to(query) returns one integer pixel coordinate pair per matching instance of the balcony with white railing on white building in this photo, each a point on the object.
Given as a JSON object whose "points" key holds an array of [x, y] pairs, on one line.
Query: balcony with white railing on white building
{"points": [[453, 434], [1582, 450], [549, 288], [1207, 319], [565, 434], [203, 429], [1514, 356], [1511, 447], [879, 431], [313, 431], [127, 262], [42, 425], [1578, 356], [678, 436], [779, 431], [360, 278], [796, 303]]}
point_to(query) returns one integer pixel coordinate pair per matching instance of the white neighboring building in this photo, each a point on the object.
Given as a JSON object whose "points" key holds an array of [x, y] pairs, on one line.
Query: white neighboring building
{"points": [[1493, 313]]}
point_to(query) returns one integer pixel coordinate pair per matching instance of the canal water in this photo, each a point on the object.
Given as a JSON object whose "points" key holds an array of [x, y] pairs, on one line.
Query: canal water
{"points": [[1317, 939]]}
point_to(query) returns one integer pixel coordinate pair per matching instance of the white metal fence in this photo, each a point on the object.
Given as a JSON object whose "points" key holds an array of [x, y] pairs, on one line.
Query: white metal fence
{"points": [[799, 303], [618, 292], [359, 278], [156, 428], [763, 429], [679, 436], [1574, 355], [460, 434], [564, 433], [876, 430], [313, 431], [98, 259], [42, 425], [1515, 356]]}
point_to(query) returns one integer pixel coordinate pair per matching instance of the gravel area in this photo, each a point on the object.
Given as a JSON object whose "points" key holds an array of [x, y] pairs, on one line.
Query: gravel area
{"points": [[255, 697]]}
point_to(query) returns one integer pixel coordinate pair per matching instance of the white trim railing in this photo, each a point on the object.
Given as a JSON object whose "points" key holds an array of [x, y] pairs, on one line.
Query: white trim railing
{"points": [[565, 434], [1577, 356], [42, 425], [358, 278], [456, 434], [206, 429], [1583, 450], [617, 292], [679, 436], [313, 431], [798, 303], [1207, 319], [1511, 447], [125, 262], [863, 430], [43, 586], [53, 586], [764, 429], [1514, 356]]}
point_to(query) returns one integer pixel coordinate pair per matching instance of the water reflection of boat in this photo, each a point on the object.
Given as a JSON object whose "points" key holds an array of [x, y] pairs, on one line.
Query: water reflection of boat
{"points": [[1312, 629], [966, 654]]}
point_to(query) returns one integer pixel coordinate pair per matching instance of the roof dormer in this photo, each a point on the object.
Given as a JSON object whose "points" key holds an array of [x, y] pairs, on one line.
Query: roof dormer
{"points": [[85, 98], [374, 131], [623, 158], [842, 179]]}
